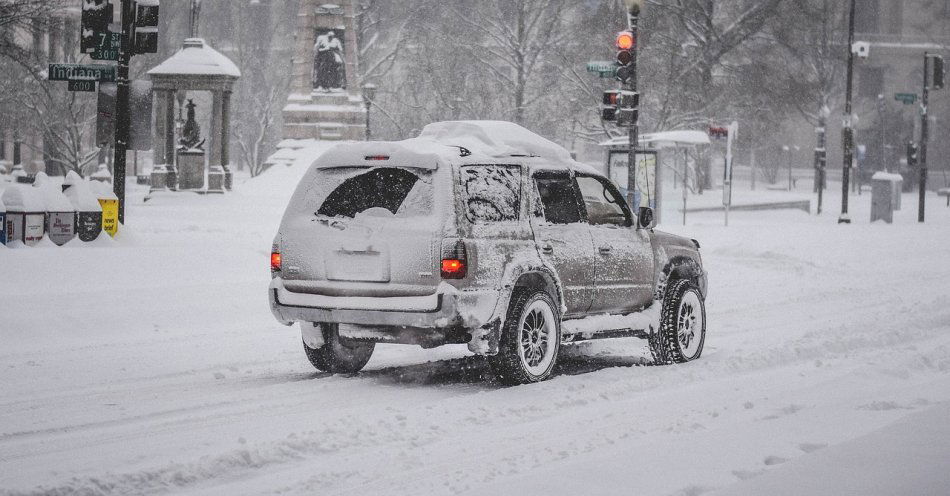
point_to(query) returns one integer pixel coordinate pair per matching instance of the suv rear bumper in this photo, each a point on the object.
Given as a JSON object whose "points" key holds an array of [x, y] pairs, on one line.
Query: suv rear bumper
{"points": [[444, 309]]}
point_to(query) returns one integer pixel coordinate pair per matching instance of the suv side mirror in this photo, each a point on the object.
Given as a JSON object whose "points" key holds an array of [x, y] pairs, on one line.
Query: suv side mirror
{"points": [[646, 218]]}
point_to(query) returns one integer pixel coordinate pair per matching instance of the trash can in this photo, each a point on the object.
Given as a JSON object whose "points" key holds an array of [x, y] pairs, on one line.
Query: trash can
{"points": [[60, 213], [88, 210], [110, 207], [885, 196], [26, 218]]}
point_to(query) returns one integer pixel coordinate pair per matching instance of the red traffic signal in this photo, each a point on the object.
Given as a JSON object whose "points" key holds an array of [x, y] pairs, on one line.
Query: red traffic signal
{"points": [[626, 41]]}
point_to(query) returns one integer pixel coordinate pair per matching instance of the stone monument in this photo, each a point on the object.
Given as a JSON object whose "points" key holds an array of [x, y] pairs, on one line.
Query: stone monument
{"points": [[191, 154], [325, 101]]}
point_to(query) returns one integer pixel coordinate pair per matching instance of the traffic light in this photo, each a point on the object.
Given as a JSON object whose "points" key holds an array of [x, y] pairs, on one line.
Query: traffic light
{"points": [[938, 72], [821, 158], [626, 44], [620, 106], [912, 154], [95, 20], [146, 27], [608, 111]]}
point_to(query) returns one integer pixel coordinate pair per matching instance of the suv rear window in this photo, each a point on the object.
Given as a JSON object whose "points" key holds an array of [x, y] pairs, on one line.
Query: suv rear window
{"points": [[399, 191], [492, 192]]}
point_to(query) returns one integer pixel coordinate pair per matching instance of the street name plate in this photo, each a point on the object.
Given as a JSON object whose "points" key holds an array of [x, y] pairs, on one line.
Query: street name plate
{"points": [[70, 72], [604, 68], [84, 85], [906, 98], [107, 46]]}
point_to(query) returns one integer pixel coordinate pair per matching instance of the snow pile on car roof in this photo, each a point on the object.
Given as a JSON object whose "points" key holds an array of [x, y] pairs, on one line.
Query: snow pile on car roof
{"points": [[495, 139]]}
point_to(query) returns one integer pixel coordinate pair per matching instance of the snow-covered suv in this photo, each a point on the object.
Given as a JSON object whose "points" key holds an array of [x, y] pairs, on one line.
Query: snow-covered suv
{"points": [[480, 233]]}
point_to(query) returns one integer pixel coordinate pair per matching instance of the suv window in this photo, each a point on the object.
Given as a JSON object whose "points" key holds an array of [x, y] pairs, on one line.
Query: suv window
{"points": [[603, 202], [492, 192], [397, 190], [558, 197]]}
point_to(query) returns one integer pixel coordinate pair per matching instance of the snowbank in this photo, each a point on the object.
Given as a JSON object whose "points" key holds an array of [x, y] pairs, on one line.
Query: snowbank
{"points": [[79, 193]]}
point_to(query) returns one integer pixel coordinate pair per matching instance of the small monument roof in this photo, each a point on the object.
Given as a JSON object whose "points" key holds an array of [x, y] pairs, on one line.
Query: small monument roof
{"points": [[196, 58]]}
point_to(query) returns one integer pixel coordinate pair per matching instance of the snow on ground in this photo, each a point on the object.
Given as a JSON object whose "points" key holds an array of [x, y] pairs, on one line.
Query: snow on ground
{"points": [[152, 364]]}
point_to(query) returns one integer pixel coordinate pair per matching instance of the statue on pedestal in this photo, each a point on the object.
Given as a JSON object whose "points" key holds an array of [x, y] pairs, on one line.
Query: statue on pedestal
{"points": [[191, 132], [329, 63]]}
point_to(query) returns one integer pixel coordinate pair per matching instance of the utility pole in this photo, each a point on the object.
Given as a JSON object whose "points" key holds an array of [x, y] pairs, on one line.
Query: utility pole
{"points": [[847, 135], [122, 118]]}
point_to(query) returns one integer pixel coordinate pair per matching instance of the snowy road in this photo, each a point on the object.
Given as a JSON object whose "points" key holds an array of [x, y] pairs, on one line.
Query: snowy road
{"points": [[820, 336]]}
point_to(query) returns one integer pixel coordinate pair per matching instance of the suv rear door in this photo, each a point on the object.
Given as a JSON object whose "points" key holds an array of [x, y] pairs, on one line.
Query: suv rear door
{"points": [[623, 281], [364, 231], [563, 238]]}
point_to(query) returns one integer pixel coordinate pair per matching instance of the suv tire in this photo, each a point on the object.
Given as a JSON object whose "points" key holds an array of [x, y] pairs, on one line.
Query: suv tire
{"points": [[338, 356], [530, 340], [682, 332]]}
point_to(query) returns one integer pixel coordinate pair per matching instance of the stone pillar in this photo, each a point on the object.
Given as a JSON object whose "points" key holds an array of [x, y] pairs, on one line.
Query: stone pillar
{"points": [[226, 139], [170, 167], [159, 178], [215, 169]]}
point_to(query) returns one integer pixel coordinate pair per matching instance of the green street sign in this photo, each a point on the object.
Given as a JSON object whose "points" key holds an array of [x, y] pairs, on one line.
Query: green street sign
{"points": [[77, 85], [603, 68], [906, 98], [78, 72], [107, 46]]}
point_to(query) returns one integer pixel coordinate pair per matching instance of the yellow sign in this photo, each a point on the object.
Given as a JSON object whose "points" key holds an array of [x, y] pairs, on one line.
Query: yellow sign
{"points": [[110, 216]]}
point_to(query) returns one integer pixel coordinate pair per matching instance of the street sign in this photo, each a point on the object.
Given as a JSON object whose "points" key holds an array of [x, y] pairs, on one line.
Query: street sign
{"points": [[906, 98], [77, 72], [107, 46], [603, 68], [82, 85]]}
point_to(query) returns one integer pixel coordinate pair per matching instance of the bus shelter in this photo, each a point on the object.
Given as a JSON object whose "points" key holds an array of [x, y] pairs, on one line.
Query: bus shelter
{"points": [[658, 162]]}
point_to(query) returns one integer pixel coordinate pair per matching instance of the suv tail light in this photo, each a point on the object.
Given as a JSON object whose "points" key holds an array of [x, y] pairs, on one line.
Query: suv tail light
{"points": [[454, 259], [275, 262]]}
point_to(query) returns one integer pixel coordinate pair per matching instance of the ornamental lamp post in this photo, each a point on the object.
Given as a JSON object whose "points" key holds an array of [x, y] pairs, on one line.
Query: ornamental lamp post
{"points": [[369, 94]]}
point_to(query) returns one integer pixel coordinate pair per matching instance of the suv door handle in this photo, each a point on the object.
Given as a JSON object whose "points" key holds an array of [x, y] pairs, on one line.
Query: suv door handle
{"points": [[605, 250], [547, 249]]}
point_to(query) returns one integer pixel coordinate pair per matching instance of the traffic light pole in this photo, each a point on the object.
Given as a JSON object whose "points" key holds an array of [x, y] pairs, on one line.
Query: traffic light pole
{"points": [[122, 118], [924, 136], [633, 17], [847, 136]]}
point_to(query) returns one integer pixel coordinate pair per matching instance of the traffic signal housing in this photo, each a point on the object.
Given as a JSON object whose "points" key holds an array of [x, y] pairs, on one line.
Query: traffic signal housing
{"points": [[938, 80], [913, 157], [146, 27], [626, 44], [95, 19]]}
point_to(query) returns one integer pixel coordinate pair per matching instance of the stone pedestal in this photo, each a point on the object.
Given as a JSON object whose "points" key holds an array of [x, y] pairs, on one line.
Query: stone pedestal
{"points": [[321, 113], [159, 178], [191, 170], [216, 180]]}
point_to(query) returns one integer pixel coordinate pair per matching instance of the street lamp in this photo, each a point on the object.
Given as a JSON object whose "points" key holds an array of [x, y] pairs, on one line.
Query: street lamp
{"points": [[369, 94]]}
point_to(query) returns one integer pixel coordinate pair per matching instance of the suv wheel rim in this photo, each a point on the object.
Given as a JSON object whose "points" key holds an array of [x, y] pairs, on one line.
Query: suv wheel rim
{"points": [[689, 324], [536, 346]]}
